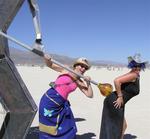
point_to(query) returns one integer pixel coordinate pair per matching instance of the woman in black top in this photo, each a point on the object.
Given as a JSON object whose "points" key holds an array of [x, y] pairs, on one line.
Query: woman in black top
{"points": [[113, 123]]}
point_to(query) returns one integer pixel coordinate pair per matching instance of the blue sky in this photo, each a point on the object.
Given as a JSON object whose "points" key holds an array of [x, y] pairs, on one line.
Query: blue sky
{"points": [[96, 29]]}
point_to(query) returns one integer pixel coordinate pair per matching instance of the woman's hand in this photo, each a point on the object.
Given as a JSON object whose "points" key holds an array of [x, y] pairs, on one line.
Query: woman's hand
{"points": [[50, 64], [118, 103], [47, 59], [86, 87], [87, 79]]}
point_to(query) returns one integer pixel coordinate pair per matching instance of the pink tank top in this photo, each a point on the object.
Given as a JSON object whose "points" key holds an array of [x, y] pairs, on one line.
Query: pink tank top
{"points": [[65, 85]]}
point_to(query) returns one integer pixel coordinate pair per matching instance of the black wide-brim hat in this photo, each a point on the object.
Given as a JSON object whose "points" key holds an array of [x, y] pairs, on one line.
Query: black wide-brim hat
{"points": [[135, 61]]}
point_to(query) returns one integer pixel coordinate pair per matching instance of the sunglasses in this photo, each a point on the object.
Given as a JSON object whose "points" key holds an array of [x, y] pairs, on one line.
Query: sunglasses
{"points": [[83, 66]]}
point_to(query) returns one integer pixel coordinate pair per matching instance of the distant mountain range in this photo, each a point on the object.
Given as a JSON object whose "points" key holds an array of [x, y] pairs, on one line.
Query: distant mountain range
{"points": [[23, 57]]}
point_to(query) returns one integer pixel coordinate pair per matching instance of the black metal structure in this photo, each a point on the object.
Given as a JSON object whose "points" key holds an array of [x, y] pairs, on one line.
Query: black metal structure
{"points": [[15, 98]]}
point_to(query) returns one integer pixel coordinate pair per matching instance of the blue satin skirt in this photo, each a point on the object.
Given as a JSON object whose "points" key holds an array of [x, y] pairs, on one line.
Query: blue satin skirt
{"points": [[56, 120]]}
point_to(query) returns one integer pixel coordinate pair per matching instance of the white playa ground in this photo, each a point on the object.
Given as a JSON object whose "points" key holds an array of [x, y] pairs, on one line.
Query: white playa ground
{"points": [[88, 111]]}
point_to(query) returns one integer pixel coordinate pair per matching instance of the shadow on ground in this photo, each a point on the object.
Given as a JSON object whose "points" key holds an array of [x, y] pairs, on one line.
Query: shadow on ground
{"points": [[129, 136], [34, 134], [86, 136], [79, 119]]}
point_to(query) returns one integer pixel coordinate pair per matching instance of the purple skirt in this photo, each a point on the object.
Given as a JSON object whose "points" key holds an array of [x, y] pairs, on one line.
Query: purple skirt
{"points": [[56, 120]]}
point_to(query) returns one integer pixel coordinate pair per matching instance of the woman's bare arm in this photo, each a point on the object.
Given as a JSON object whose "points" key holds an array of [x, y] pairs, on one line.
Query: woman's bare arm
{"points": [[51, 65], [129, 77], [85, 87]]}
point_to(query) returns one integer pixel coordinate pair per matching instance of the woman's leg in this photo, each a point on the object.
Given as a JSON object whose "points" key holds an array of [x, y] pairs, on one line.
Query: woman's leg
{"points": [[124, 127]]}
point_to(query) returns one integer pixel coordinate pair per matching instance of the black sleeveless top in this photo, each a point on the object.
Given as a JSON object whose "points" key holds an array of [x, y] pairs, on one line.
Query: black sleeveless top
{"points": [[131, 87]]}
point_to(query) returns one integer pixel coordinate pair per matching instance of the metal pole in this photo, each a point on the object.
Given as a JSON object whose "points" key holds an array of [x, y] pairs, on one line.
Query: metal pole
{"points": [[68, 69], [36, 18], [15, 41], [42, 54]]}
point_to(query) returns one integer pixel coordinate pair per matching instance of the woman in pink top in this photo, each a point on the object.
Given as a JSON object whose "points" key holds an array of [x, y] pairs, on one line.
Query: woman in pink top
{"points": [[56, 120]]}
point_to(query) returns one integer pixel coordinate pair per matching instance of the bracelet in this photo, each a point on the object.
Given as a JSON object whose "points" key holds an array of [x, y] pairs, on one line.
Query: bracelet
{"points": [[119, 94]]}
